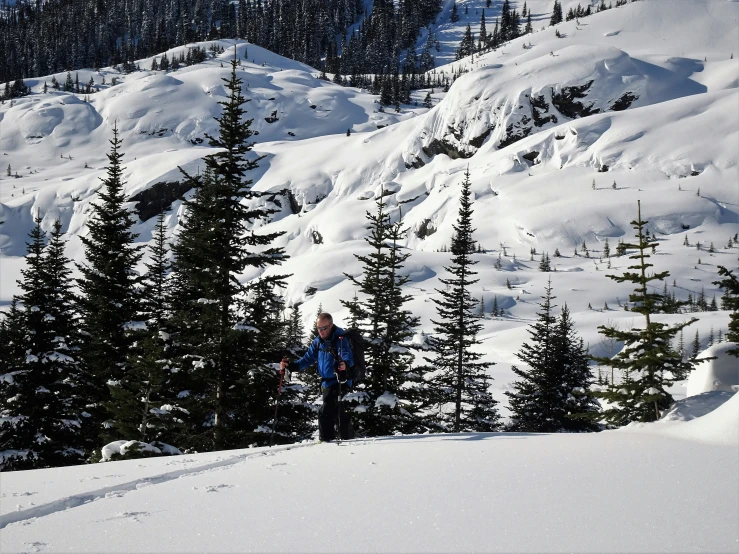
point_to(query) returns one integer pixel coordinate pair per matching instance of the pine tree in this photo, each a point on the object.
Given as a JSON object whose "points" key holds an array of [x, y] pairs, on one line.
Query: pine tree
{"points": [[218, 344], [545, 264], [109, 299], [577, 379], [557, 16], [553, 386], [427, 102], [142, 403], [388, 328], [730, 301], [482, 37], [455, 14], [462, 382], [44, 419], [466, 45], [647, 362], [696, 345]]}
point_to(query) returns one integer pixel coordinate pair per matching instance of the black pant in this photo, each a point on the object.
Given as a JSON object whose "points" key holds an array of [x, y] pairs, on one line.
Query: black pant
{"points": [[329, 414]]}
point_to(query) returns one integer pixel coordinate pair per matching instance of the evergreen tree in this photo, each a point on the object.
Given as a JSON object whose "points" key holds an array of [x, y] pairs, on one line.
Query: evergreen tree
{"points": [[647, 362], [551, 389], [219, 345], [545, 264], [696, 345], [730, 301], [462, 382], [481, 39], [577, 379], [455, 14], [388, 328], [142, 404], [109, 298], [427, 102], [44, 420], [557, 16], [466, 45]]}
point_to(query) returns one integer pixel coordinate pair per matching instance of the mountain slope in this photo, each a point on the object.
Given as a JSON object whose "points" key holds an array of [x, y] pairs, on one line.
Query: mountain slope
{"points": [[675, 148]]}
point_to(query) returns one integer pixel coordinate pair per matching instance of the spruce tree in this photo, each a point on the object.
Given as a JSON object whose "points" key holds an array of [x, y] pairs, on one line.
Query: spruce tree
{"points": [[466, 45], [730, 301], [143, 405], [551, 393], [461, 386], [109, 297], [557, 16], [218, 344], [577, 379], [647, 362], [455, 14], [44, 418], [388, 328]]}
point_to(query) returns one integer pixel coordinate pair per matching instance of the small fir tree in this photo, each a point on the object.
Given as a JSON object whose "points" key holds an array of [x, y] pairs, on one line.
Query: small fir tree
{"points": [[647, 362]]}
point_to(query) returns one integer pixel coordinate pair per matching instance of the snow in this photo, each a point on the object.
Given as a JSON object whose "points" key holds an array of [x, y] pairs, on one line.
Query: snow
{"points": [[671, 484], [122, 447], [487, 492], [721, 374]]}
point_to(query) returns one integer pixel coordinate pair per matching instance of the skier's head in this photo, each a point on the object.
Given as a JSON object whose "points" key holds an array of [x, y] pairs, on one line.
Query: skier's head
{"points": [[324, 323]]}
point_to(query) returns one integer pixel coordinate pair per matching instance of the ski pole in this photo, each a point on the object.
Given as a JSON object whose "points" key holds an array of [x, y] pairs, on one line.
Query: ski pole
{"points": [[277, 403]]}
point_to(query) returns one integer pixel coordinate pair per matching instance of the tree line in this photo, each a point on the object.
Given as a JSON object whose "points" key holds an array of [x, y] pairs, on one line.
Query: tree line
{"points": [[65, 35], [184, 355]]}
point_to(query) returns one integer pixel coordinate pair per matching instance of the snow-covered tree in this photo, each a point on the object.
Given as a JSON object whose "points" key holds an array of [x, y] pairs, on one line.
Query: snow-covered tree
{"points": [[44, 422], [215, 339], [108, 287]]}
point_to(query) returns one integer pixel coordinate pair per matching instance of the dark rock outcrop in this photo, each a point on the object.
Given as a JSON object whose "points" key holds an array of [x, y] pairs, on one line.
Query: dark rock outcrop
{"points": [[567, 104], [157, 198]]}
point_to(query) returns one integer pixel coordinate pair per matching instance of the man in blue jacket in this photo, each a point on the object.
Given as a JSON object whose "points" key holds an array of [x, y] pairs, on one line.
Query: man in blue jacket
{"points": [[334, 356]]}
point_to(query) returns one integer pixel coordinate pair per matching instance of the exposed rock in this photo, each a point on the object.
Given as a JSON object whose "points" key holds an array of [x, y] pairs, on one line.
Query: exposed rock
{"points": [[158, 198], [567, 104], [295, 206], [317, 237], [531, 157], [417, 163], [539, 106], [514, 133], [425, 229], [443, 147], [477, 141], [626, 99]]}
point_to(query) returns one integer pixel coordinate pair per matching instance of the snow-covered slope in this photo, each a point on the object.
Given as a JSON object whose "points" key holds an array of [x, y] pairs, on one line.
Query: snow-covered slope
{"points": [[675, 148], [659, 488]]}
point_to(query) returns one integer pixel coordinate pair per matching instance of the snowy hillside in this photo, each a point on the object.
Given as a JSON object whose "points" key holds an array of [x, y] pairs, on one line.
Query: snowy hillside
{"points": [[675, 147], [664, 487]]}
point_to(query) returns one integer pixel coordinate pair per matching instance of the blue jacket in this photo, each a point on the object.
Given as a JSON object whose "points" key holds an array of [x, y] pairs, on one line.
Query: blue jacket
{"points": [[327, 353]]}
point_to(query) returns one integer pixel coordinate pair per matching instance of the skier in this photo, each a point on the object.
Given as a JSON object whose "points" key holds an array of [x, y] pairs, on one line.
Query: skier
{"points": [[334, 356]]}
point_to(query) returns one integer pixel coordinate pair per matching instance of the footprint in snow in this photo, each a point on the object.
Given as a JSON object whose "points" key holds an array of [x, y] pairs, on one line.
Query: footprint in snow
{"points": [[36, 546], [215, 488]]}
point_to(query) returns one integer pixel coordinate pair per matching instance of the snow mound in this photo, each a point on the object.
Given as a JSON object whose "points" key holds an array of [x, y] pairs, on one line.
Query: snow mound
{"points": [[123, 447], [692, 407], [721, 374], [711, 418]]}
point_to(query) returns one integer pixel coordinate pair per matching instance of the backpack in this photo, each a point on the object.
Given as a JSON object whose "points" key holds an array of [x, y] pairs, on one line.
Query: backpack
{"points": [[356, 343]]}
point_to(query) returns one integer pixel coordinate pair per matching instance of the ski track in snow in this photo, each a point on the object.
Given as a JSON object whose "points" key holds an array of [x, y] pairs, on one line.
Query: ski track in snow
{"points": [[119, 490]]}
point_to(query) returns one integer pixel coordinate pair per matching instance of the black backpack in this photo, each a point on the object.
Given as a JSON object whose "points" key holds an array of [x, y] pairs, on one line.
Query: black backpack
{"points": [[356, 343]]}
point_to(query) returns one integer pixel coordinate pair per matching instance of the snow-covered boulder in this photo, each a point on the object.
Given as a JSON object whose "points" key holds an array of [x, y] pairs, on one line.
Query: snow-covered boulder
{"points": [[721, 374], [136, 449]]}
